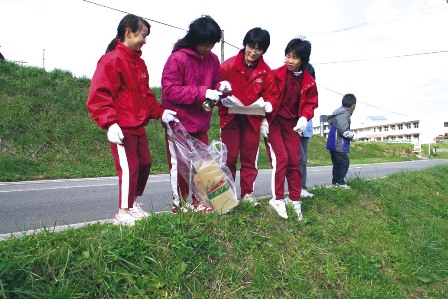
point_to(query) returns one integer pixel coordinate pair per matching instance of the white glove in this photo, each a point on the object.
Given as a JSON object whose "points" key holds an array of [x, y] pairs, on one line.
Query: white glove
{"points": [[267, 107], [348, 134], [213, 94], [264, 129], [227, 102], [225, 86], [168, 115], [301, 125], [354, 138], [114, 134]]}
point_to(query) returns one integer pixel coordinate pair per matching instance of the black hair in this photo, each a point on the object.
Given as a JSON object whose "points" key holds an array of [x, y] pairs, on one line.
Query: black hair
{"points": [[203, 30], [129, 21], [348, 100], [301, 48], [257, 36], [310, 70]]}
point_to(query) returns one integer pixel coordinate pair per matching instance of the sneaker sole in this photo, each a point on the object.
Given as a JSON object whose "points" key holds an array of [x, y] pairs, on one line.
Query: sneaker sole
{"points": [[123, 223]]}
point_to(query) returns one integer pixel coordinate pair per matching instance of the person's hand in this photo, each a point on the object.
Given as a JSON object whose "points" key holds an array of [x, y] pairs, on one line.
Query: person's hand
{"points": [[224, 86], [348, 134], [301, 125], [227, 102], [213, 94], [264, 129], [267, 107], [114, 134], [168, 115], [354, 138]]}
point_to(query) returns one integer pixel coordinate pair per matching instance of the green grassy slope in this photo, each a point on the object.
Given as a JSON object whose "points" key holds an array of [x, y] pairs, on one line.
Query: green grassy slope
{"points": [[46, 131]]}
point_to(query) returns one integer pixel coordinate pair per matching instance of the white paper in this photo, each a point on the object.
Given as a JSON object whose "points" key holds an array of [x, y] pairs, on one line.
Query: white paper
{"points": [[255, 108]]}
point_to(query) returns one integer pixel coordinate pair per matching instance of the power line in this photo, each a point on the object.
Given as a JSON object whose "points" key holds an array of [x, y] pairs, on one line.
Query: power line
{"points": [[362, 101], [172, 26], [427, 10], [386, 57], [128, 13]]}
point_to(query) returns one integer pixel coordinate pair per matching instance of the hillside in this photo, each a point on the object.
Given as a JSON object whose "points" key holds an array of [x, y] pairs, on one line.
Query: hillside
{"points": [[46, 131]]}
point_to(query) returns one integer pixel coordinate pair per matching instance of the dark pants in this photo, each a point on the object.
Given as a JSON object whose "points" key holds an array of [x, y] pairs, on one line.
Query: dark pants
{"points": [[341, 163]]}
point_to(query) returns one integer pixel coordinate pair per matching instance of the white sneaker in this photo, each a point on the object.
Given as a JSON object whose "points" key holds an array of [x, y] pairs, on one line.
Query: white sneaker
{"points": [[183, 208], [343, 186], [279, 206], [137, 211], [298, 209], [306, 194], [251, 199], [125, 219]]}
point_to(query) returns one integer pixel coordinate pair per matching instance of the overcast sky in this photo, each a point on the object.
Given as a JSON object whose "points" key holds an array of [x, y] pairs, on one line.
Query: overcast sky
{"points": [[392, 54]]}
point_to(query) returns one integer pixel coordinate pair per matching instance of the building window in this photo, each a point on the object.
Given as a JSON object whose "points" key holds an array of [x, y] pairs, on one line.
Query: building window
{"points": [[415, 125], [400, 127], [386, 129], [392, 127], [408, 126]]}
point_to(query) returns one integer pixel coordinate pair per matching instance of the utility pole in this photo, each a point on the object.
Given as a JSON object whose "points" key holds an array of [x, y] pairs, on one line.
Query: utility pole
{"points": [[222, 45]]}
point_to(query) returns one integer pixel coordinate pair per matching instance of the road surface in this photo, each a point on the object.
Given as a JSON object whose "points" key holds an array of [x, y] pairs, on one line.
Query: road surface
{"points": [[57, 204]]}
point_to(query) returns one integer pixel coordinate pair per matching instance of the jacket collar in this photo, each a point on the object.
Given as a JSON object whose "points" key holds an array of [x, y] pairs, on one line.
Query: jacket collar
{"points": [[193, 54], [128, 52]]}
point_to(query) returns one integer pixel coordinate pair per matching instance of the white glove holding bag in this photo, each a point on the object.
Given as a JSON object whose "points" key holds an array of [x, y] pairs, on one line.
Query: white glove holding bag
{"points": [[114, 134], [227, 102], [264, 129], [348, 134], [267, 107], [168, 115], [213, 94], [224, 86], [301, 125]]}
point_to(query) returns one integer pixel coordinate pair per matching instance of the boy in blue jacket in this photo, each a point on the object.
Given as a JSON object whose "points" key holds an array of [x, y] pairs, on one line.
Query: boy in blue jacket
{"points": [[339, 137]]}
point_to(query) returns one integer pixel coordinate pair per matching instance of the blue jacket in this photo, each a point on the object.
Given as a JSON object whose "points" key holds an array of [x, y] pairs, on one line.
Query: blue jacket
{"points": [[339, 123], [308, 131]]}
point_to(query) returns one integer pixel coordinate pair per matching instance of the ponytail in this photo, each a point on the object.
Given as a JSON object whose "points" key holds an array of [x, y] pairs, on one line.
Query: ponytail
{"points": [[112, 44]]}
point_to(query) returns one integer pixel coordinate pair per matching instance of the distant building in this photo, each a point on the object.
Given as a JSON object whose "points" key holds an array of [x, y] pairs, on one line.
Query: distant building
{"points": [[423, 129]]}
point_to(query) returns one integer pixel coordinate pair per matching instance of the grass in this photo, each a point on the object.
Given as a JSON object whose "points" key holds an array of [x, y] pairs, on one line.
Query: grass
{"points": [[377, 240], [46, 131]]}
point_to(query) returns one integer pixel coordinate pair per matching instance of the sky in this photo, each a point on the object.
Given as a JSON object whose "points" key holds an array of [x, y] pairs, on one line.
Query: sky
{"points": [[392, 54]]}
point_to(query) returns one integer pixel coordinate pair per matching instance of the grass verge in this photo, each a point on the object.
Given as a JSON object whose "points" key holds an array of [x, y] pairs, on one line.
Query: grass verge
{"points": [[377, 240]]}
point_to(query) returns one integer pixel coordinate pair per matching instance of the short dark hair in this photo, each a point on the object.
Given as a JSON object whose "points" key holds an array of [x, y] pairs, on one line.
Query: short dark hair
{"points": [[257, 36], [348, 100], [301, 48], [203, 30]]}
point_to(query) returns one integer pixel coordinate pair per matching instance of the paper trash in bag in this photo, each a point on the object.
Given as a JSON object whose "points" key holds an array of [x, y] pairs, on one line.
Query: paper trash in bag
{"points": [[204, 168]]}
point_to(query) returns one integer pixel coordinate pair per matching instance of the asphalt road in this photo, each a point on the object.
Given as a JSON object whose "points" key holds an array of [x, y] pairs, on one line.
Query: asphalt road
{"points": [[57, 204]]}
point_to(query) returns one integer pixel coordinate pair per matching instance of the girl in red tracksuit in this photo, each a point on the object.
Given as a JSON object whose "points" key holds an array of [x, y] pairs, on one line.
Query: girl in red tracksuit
{"points": [[297, 100], [190, 75], [121, 102], [250, 79]]}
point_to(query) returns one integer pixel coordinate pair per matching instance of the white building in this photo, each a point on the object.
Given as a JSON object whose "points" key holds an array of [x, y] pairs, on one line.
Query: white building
{"points": [[380, 129]]}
